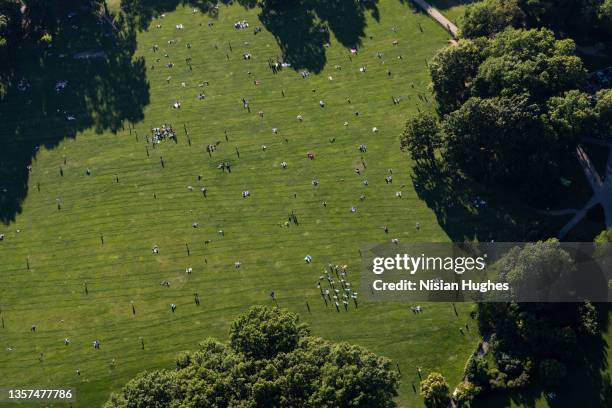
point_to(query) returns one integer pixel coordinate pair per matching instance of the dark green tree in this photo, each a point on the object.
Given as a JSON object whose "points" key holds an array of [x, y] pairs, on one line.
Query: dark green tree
{"points": [[291, 369], [528, 61], [571, 116], [264, 332], [477, 371], [500, 140], [603, 108], [149, 389], [421, 137], [537, 271], [525, 335], [10, 27], [486, 18], [513, 62], [452, 70], [509, 110], [576, 17]]}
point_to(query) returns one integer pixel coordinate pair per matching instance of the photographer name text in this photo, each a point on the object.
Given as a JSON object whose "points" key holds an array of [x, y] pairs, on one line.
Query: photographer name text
{"points": [[439, 285]]}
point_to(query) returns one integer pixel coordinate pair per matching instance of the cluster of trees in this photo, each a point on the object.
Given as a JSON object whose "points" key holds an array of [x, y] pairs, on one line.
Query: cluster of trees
{"points": [[510, 108], [527, 343], [580, 18], [530, 342], [271, 360]]}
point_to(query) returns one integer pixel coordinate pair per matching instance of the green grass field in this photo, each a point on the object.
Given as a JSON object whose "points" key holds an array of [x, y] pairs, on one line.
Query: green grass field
{"points": [[64, 249], [50, 255]]}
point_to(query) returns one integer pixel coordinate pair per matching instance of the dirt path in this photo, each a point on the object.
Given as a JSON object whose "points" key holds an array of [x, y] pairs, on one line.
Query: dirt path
{"points": [[439, 17]]}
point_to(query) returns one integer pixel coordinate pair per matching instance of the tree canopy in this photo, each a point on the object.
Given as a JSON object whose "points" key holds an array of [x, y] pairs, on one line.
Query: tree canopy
{"points": [[537, 271], [528, 61], [513, 62], [603, 109], [263, 333], [579, 18], [270, 361], [422, 137], [510, 107], [498, 140], [485, 18], [532, 340], [453, 69]]}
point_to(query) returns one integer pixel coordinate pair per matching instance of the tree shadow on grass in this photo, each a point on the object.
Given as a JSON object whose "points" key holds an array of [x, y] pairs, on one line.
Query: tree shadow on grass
{"points": [[104, 87], [468, 211], [140, 13], [461, 212], [302, 28]]}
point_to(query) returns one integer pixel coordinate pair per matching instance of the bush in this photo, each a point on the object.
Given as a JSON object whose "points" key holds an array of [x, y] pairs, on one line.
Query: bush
{"points": [[183, 360], [477, 371], [497, 379], [512, 366], [605, 236], [465, 393], [46, 38], [434, 390], [588, 317]]}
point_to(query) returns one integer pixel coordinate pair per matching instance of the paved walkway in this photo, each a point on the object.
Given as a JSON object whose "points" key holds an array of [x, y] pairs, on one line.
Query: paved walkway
{"points": [[439, 17], [602, 188]]}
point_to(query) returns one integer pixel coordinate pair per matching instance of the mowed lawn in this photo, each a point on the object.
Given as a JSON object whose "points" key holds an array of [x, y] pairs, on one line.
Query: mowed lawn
{"points": [[64, 250]]}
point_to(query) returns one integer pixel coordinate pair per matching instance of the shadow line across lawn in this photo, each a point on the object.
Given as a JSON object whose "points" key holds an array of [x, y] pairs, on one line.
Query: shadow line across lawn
{"points": [[85, 78], [301, 27], [106, 86]]}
